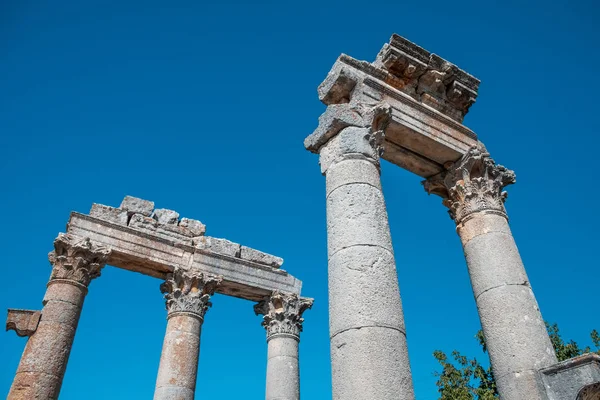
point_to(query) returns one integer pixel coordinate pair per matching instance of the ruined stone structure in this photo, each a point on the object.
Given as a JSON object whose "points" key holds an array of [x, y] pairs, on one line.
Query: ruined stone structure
{"points": [[407, 107], [193, 267]]}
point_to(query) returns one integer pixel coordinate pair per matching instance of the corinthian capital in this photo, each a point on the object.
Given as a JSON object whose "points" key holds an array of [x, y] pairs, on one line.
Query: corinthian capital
{"points": [[283, 313], [189, 291], [473, 183], [77, 259]]}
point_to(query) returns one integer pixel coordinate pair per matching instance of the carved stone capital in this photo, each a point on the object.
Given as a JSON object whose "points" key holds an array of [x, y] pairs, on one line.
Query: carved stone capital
{"points": [[189, 292], [472, 184], [77, 259], [24, 322], [283, 314], [350, 131]]}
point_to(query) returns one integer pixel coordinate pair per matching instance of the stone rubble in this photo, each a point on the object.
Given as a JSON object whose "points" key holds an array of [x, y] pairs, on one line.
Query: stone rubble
{"points": [[140, 214]]}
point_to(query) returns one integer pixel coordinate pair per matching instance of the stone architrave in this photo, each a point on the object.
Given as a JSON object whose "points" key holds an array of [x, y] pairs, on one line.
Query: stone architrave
{"points": [[515, 333], [76, 261], [369, 354], [283, 323], [187, 295]]}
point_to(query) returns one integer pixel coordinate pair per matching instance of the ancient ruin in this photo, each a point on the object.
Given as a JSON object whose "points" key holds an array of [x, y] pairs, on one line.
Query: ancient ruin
{"points": [[406, 107], [193, 266]]}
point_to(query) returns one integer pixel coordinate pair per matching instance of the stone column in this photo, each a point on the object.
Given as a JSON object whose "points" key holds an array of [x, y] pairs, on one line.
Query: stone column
{"points": [[76, 261], [369, 354], [187, 294], [283, 322], [514, 330]]}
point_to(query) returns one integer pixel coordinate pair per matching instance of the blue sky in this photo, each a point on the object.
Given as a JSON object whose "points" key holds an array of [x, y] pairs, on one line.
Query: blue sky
{"points": [[203, 108]]}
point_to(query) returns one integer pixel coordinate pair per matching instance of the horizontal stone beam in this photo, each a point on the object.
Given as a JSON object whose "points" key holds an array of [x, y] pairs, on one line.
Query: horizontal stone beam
{"points": [[428, 97], [154, 244]]}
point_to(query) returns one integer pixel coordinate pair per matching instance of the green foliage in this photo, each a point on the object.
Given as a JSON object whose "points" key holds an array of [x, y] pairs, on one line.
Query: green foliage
{"points": [[565, 350], [466, 379]]}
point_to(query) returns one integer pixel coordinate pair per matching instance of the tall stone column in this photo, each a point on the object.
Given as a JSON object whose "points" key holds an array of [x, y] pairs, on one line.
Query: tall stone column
{"points": [[76, 261], [369, 354], [283, 322], [187, 295], [515, 333]]}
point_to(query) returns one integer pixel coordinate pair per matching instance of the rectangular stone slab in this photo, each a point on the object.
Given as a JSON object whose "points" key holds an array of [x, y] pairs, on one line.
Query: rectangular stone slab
{"points": [[153, 255]]}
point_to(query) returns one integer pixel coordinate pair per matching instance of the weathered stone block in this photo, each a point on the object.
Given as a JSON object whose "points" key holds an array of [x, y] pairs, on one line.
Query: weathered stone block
{"points": [[572, 377], [111, 214], [371, 363], [24, 322], [220, 246], [136, 205], [141, 222], [259, 257], [174, 232], [166, 217], [195, 227]]}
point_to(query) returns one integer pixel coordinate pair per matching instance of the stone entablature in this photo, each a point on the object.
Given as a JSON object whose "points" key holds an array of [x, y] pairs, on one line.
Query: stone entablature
{"points": [[427, 105], [428, 78], [154, 241]]}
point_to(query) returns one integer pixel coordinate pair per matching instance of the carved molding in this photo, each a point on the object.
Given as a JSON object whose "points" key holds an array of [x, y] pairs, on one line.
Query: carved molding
{"points": [[77, 259], [189, 291], [282, 313], [23, 322], [473, 183]]}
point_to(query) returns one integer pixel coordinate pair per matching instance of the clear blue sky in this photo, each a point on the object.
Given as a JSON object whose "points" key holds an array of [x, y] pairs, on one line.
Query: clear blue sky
{"points": [[203, 108]]}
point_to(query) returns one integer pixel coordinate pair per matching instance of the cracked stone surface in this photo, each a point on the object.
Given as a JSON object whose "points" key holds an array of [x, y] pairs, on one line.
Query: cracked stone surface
{"points": [[366, 321]]}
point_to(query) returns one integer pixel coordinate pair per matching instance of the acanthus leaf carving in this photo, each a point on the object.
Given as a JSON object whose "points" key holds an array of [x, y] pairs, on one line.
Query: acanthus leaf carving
{"points": [[471, 184], [189, 291], [282, 313], [77, 259]]}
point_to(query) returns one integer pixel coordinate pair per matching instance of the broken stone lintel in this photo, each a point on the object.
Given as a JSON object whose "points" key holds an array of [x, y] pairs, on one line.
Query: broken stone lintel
{"points": [[140, 213], [424, 132], [23, 322], [247, 273]]}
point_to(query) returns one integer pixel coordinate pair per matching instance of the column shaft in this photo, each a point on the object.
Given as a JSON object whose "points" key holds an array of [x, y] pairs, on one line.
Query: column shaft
{"points": [[76, 261], [44, 361], [515, 333], [187, 295], [369, 352], [282, 319], [179, 359], [283, 375], [513, 326]]}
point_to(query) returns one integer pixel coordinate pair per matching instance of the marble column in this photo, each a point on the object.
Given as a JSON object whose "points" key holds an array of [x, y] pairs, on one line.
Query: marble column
{"points": [[187, 295], [283, 323], [515, 333], [76, 261], [369, 354]]}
